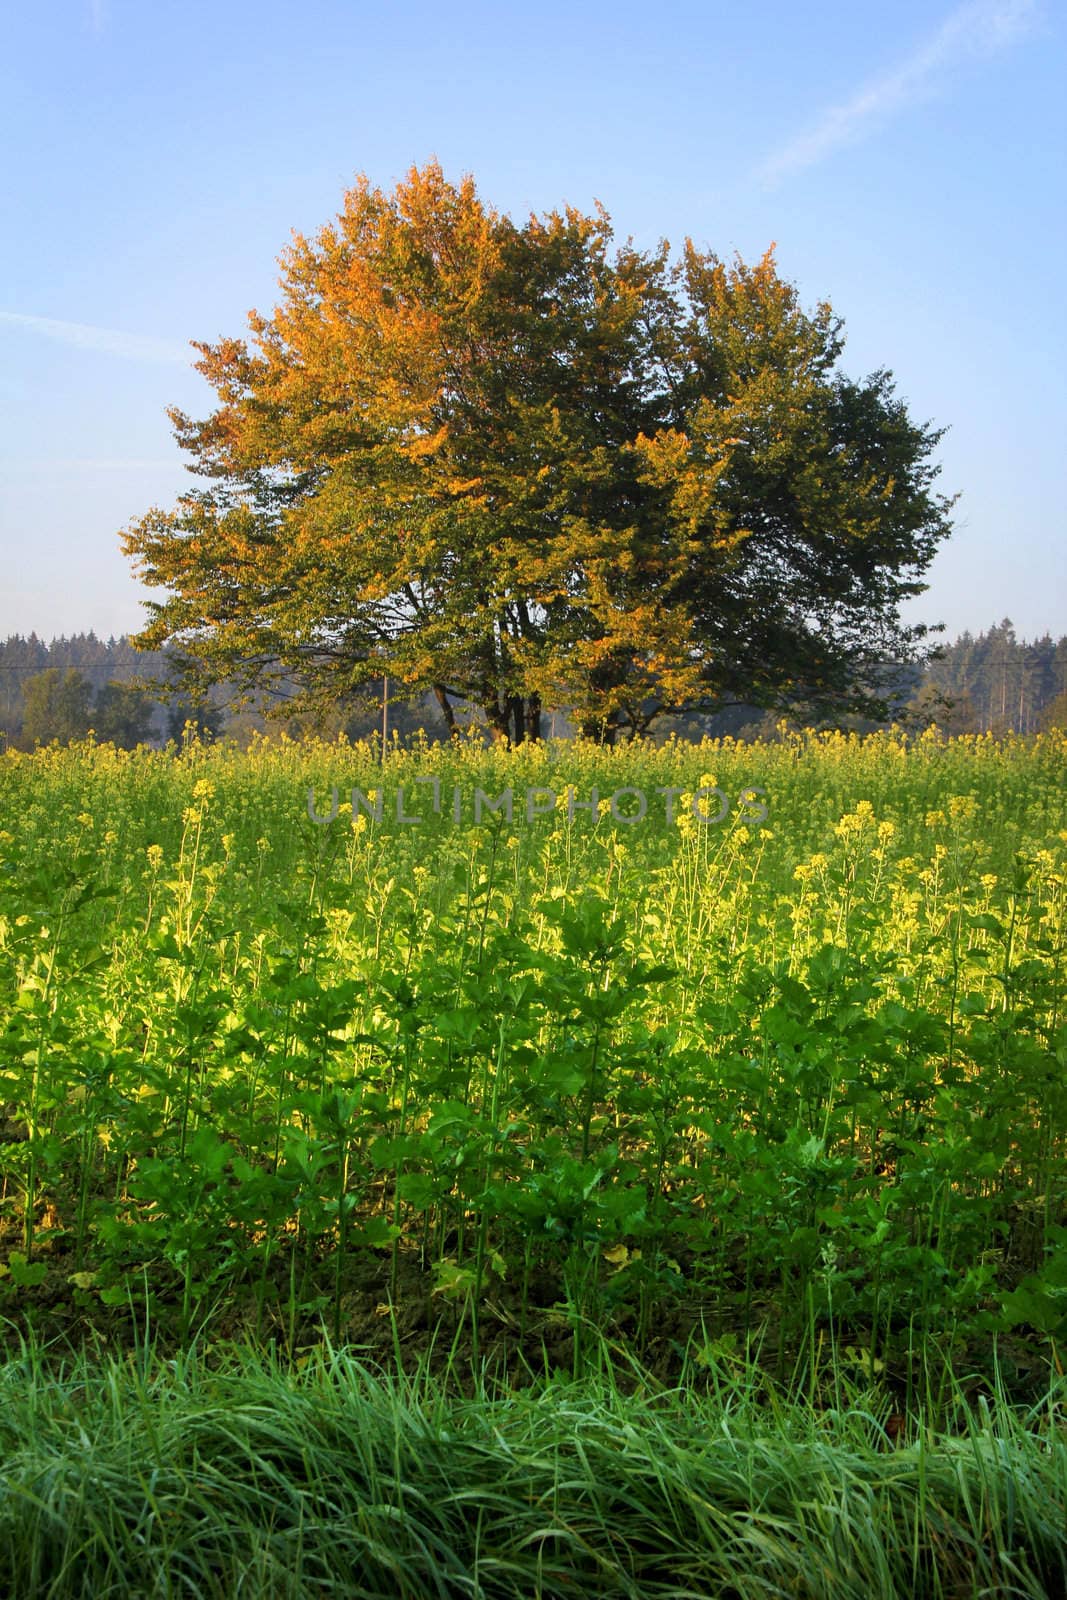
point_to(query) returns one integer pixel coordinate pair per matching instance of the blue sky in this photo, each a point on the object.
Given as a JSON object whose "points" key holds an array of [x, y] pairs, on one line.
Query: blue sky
{"points": [[907, 159]]}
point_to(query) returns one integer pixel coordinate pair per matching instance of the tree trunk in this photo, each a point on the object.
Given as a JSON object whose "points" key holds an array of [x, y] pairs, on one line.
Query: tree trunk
{"points": [[498, 716], [513, 719], [446, 710], [533, 717]]}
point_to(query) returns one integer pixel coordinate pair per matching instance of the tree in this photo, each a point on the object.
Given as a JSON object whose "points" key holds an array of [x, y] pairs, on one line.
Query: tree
{"points": [[931, 706], [122, 715], [55, 706], [508, 466], [1054, 715], [205, 720]]}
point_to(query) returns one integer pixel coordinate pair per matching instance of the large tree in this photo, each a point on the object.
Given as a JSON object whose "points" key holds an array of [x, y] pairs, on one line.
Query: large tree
{"points": [[515, 467]]}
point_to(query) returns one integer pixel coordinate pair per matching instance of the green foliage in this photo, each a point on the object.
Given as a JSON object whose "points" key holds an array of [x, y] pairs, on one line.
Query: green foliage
{"points": [[1054, 715], [805, 1076], [61, 705], [122, 715], [56, 706]]}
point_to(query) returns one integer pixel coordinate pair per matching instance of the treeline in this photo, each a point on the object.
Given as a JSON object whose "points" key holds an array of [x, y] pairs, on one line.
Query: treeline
{"points": [[996, 683], [62, 688], [59, 690], [986, 683]]}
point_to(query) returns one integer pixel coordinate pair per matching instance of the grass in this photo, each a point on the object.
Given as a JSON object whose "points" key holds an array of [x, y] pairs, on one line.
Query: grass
{"points": [[243, 1476]]}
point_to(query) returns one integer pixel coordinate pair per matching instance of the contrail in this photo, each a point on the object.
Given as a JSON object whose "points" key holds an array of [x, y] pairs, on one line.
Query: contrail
{"points": [[981, 28]]}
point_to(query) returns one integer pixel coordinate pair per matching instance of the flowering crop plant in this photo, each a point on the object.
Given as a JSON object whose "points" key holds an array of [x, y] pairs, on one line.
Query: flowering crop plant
{"points": [[794, 1070]]}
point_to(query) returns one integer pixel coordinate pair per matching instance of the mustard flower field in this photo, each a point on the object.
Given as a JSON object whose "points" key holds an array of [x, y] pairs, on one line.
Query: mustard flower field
{"points": [[706, 1051]]}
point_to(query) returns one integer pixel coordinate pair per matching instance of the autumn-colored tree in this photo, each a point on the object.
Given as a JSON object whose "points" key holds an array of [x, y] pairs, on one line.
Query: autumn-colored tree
{"points": [[507, 465]]}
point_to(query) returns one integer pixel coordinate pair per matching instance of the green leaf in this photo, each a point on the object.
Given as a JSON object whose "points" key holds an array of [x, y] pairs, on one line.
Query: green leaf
{"points": [[24, 1274]]}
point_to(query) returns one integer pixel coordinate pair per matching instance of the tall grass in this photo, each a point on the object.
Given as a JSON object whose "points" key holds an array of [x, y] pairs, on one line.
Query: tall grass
{"points": [[243, 1477]]}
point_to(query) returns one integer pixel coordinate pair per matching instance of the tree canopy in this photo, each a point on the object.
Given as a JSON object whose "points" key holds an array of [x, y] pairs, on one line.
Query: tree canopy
{"points": [[59, 704], [519, 466], [56, 706]]}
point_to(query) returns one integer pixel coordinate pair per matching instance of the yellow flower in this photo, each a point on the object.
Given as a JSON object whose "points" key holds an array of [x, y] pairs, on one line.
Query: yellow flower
{"points": [[203, 789], [855, 821]]}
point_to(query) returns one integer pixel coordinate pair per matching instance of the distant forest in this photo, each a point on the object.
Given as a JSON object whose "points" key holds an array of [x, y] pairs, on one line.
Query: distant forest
{"points": [[981, 683]]}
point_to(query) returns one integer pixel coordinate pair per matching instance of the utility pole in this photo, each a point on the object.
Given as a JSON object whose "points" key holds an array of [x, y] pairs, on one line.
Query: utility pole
{"points": [[385, 713]]}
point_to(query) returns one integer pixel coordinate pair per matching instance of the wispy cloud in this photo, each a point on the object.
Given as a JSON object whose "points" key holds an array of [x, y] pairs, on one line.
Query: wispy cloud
{"points": [[976, 30], [109, 341], [97, 15]]}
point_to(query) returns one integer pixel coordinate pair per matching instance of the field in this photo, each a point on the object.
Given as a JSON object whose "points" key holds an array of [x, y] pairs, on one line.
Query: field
{"points": [[775, 1101], [802, 1074]]}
